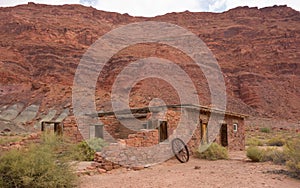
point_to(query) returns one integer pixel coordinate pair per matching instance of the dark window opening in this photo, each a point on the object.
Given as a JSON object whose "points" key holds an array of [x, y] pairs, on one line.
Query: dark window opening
{"points": [[58, 128], [55, 127], [235, 127], [96, 131]]}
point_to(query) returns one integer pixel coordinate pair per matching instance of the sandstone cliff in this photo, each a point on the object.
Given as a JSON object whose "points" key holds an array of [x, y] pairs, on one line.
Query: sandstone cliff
{"points": [[41, 46]]}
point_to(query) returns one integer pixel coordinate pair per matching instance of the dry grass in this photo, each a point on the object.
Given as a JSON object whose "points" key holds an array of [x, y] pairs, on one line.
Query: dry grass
{"points": [[281, 147], [212, 152], [9, 139]]}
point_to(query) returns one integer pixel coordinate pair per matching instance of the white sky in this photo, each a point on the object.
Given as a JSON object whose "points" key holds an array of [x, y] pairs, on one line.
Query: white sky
{"points": [[158, 7]]}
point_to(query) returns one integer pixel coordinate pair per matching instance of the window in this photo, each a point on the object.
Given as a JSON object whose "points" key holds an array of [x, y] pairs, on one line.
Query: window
{"points": [[235, 127], [96, 131], [149, 124]]}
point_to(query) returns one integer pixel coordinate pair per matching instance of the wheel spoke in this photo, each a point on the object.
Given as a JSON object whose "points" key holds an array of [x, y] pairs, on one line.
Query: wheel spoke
{"points": [[184, 157]]}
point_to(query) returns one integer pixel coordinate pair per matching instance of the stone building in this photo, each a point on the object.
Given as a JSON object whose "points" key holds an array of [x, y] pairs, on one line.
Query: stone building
{"points": [[148, 126]]}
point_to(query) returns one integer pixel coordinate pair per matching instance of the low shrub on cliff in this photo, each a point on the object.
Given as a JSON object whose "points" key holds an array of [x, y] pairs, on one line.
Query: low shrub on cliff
{"points": [[212, 152], [39, 165]]}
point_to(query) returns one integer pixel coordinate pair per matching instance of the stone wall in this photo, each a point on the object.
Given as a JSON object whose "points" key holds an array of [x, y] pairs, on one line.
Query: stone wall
{"points": [[144, 138], [140, 149], [136, 136], [115, 129], [236, 140], [71, 129]]}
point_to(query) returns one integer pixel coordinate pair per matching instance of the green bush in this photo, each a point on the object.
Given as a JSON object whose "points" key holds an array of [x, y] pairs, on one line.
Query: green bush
{"points": [[274, 155], [85, 150], [254, 153], [212, 152], [276, 141], [96, 144], [292, 150], [254, 142], [39, 165], [265, 130], [270, 154]]}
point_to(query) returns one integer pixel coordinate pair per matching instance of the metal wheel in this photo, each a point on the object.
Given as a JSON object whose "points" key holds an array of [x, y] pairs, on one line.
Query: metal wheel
{"points": [[180, 150]]}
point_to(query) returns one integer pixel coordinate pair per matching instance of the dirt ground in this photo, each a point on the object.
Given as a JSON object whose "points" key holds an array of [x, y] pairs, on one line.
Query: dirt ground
{"points": [[236, 172]]}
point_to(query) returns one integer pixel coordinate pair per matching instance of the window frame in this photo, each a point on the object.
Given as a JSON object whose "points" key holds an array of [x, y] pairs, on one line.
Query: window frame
{"points": [[235, 127]]}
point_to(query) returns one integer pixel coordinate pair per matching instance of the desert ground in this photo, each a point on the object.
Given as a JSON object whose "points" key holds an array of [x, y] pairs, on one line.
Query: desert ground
{"points": [[235, 172]]}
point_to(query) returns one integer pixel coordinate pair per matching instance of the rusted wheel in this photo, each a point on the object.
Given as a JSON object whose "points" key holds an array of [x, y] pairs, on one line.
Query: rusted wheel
{"points": [[180, 150]]}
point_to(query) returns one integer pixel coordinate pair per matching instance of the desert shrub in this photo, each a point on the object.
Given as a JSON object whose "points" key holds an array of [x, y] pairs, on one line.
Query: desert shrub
{"points": [[212, 152], [274, 155], [276, 141], [292, 151], [36, 166], [254, 153], [85, 150], [265, 130], [96, 143], [254, 142], [8, 139], [270, 154]]}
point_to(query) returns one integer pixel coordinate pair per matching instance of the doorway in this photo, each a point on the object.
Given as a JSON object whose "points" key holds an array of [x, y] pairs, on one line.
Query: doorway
{"points": [[204, 138], [224, 135], [163, 131], [52, 126]]}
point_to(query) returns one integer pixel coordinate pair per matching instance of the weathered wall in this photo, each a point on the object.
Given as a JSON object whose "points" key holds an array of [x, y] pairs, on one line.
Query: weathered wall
{"points": [[145, 138], [130, 137], [71, 129], [236, 140]]}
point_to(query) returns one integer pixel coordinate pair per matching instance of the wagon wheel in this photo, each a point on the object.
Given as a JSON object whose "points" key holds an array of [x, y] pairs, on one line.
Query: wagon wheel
{"points": [[180, 150]]}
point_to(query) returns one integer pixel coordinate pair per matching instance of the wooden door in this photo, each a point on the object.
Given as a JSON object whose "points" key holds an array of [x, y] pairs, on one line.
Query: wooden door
{"points": [[224, 136]]}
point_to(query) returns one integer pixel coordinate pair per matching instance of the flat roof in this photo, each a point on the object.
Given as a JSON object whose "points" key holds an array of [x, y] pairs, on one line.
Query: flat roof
{"points": [[189, 106]]}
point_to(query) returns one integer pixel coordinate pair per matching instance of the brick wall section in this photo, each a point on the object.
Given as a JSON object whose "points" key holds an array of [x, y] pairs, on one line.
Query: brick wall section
{"points": [[105, 164], [145, 138], [114, 128], [236, 140], [173, 118], [71, 129]]}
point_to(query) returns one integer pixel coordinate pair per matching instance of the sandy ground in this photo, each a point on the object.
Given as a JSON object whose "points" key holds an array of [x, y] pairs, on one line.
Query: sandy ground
{"points": [[235, 172]]}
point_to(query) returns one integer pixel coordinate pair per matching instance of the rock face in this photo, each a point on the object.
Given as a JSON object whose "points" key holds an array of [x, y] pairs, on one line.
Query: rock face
{"points": [[41, 46]]}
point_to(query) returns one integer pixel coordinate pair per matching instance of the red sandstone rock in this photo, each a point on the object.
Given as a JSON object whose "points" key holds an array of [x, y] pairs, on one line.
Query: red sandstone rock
{"points": [[257, 49], [101, 171], [138, 168]]}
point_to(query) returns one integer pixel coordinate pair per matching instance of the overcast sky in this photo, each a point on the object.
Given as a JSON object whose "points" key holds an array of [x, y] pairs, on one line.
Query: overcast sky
{"points": [[159, 7]]}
